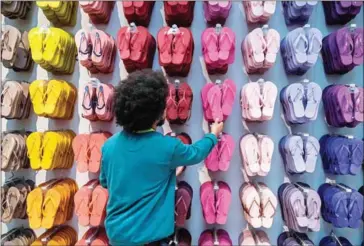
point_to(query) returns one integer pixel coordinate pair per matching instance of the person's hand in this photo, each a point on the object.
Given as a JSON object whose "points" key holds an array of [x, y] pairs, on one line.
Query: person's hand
{"points": [[217, 127]]}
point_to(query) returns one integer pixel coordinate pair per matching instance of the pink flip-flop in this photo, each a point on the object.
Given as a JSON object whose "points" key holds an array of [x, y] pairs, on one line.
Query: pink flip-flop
{"points": [[228, 96], [205, 102], [100, 196], [214, 96], [226, 150], [207, 196], [223, 201]]}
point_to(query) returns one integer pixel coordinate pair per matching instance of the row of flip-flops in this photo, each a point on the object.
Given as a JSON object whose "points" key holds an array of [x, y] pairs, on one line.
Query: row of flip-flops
{"points": [[301, 102], [90, 204], [175, 47], [96, 50], [59, 235], [344, 105], [259, 49], [342, 206], [60, 13], [51, 203], [299, 153], [87, 150], [95, 236], [218, 99], [342, 50], [97, 101], [15, 51], [179, 102], [50, 149], [216, 12], [258, 100], [18, 236], [218, 49], [220, 157], [259, 204], [13, 199], [300, 207], [341, 12], [259, 11], [341, 155], [297, 12], [98, 11], [14, 151], [15, 9], [53, 99], [15, 100], [53, 49], [256, 151], [300, 49], [136, 47]]}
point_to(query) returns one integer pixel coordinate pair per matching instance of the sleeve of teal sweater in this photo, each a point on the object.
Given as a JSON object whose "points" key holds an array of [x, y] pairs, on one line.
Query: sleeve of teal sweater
{"points": [[102, 177], [185, 155]]}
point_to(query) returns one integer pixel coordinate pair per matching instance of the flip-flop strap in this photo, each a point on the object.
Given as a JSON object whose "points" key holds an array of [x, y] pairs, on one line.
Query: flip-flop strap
{"points": [[225, 34], [88, 46], [79, 205], [86, 91], [5, 41], [311, 42], [251, 206], [310, 95], [296, 42], [178, 202], [269, 202], [165, 44], [4, 92]]}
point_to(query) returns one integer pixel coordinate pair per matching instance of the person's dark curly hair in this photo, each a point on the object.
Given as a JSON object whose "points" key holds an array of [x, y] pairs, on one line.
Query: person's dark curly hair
{"points": [[140, 100]]}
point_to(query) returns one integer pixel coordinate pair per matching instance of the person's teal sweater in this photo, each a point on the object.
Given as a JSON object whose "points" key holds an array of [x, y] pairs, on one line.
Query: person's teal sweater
{"points": [[139, 171]]}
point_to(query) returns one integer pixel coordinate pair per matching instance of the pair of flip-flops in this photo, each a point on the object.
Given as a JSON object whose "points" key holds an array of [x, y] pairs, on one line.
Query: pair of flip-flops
{"points": [[221, 155], [175, 49], [215, 237], [342, 206], [183, 202], [300, 49], [300, 102], [51, 203], [257, 151], [90, 204], [343, 50], [97, 101], [14, 151], [59, 235], [15, 100], [61, 13], [300, 206], [259, 11], [218, 100], [216, 12], [260, 49], [15, 9], [297, 12], [343, 105], [181, 237], [53, 49], [138, 12], [18, 236], [95, 236], [13, 199], [98, 11], [289, 238], [342, 155], [136, 47], [179, 102], [53, 99], [259, 204], [96, 50], [254, 238], [87, 150], [179, 13], [257, 100], [299, 153], [50, 150], [332, 241], [15, 50], [218, 49], [215, 200], [341, 12]]}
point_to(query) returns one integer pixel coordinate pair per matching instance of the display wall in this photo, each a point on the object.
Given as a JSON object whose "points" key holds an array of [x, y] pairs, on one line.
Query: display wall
{"points": [[197, 77]]}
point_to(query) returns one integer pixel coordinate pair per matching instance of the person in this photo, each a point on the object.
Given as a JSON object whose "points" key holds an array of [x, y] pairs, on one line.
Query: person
{"points": [[139, 164]]}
